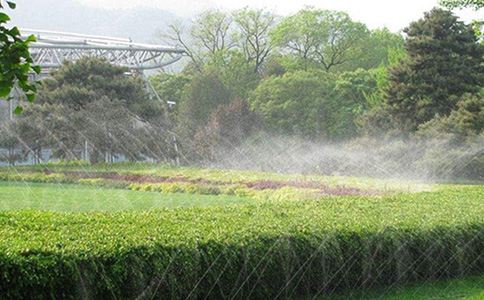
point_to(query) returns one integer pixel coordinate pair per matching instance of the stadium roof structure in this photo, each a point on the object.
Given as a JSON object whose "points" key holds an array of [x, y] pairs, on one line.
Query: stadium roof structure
{"points": [[52, 48]]}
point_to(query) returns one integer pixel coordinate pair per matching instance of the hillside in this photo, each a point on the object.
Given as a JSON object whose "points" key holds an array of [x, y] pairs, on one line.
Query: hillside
{"points": [[140, 24]]}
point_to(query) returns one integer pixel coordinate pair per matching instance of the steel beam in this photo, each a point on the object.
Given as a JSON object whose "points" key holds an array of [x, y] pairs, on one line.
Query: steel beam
{"points": [[52, 48]]}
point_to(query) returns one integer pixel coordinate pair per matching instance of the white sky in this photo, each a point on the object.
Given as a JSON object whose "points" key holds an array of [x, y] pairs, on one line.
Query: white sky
{"points": [[394, 14]]}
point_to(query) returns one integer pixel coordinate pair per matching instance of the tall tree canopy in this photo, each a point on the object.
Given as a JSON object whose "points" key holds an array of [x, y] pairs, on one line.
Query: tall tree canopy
{"points": [[319, 36], [86, 80], [374, 50], [475, 4], [200, 98], [444, 62], [295, 102], [207, 38], [92, 102], [253, 34]]}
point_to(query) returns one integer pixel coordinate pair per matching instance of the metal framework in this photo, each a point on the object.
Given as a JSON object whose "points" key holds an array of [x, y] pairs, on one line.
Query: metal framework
{"points": [[52, 48]]}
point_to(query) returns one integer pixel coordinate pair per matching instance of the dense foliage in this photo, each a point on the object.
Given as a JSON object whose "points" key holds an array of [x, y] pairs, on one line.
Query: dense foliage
{"points": [[314, 78], [316, 75], [15, 60], [476, 4], [320, 37], [286, 243], [284, 249], [234, 57], [326, 77], [90, 110], [444, 62]]}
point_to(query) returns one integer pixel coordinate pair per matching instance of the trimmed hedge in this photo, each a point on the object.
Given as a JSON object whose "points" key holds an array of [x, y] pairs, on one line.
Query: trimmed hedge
{"points": [[284, 193], [67, 163], [36, 177], [264, 251]]}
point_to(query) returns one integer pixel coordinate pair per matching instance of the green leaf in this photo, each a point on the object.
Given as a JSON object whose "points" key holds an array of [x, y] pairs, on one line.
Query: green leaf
{"points": [[30, 97], [11, 5], [36, 69], [4, 18], [5, 91], [18, 110], [14, 31], [25, 67], [31, 38], [23, 84]]}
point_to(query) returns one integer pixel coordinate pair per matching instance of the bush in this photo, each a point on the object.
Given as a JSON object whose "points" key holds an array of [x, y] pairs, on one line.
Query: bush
{"points": [[36, 177], [177, 187], [101, 182], [263, 251], [68, 163]]}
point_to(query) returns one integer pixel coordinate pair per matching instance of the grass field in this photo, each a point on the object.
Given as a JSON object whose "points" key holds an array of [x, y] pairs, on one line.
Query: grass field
{"points": [[75, 198], [463, 289], [108, 231]]}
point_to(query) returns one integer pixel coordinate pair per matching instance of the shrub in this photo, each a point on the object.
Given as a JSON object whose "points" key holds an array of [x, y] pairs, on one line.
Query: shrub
{"points": [[68, 163], [101, 182], [36, 177], [266, 251]]}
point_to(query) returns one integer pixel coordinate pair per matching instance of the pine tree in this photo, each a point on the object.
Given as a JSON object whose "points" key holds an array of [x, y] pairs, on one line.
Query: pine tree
{"points": [[444, 61]]}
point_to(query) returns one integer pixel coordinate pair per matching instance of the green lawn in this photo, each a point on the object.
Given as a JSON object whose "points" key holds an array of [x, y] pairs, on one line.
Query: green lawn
{"points": [[78, 198], [464, 289]]}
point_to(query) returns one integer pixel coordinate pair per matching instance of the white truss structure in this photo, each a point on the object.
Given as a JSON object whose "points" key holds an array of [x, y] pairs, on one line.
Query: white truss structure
{"points": [[52, 48]]}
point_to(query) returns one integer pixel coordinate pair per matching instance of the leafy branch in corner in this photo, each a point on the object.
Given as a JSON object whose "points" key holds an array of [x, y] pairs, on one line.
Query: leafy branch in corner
{"points": [[474, 4], [15, 60]]}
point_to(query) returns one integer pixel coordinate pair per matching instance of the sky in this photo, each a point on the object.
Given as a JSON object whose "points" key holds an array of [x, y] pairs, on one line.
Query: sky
{"points": [[393, 14]]}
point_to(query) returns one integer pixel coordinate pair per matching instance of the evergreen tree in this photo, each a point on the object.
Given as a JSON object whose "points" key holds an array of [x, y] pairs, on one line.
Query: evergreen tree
{"points": [[444, 62], [93, 104]]}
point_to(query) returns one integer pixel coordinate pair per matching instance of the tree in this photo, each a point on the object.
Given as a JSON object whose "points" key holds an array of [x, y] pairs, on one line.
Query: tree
{"points": [[15, 60], [170, 87], [109, 129], [349, 102], [200, 99], [373, 50], [314, 103], [253, 34], [211, 31], [209, 36], [229, 126], [76, 84], [294, 103], [467, 120], [30, 130], [475, 4], [236, 73], [10, 143], [176, 36], [319, 36], [93, 104], [444, 62]]}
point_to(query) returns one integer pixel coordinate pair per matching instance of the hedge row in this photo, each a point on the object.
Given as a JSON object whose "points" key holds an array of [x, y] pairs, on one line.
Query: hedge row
{"points": [[285, 193], [239, 190], [265, 251], [36, 177]]}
